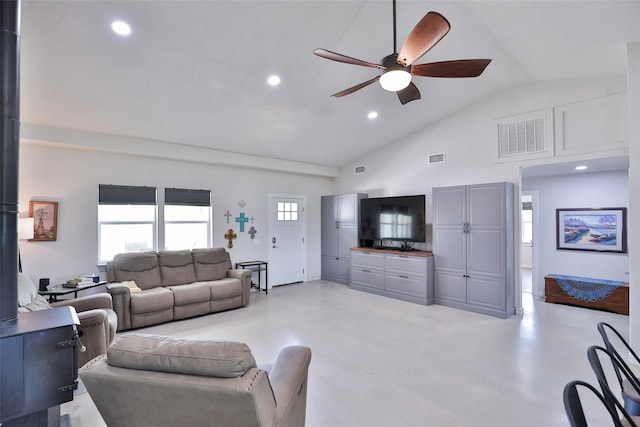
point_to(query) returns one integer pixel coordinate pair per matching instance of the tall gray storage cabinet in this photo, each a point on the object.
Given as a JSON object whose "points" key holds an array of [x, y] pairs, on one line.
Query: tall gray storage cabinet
{"points": [[339, 233], [473, 248]]}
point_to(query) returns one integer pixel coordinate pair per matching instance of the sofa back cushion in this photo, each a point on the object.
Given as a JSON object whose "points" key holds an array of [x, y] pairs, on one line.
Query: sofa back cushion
{"points": [[141, 267], [176, 267], [28, 297], [211, 263], [223, 359]]}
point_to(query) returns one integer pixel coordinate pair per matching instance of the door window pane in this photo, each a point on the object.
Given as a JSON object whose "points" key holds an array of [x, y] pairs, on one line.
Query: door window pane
{"points": [[287, 211]]}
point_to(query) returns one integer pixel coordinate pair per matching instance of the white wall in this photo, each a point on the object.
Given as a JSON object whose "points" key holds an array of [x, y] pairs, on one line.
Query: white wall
{"points": [[603, 189], [71, 176], [633, 96], [469, 140]]}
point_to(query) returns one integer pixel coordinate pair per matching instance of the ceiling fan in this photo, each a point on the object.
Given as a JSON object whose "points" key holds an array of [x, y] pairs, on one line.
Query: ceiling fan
{"points": [[397, 68]]}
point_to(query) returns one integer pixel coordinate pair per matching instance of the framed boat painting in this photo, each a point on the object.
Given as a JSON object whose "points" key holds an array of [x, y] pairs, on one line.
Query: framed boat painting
{"points": [[601, 229]]}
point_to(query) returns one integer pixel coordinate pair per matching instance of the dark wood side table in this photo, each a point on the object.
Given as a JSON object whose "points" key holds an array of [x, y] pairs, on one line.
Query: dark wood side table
{"points": [[60, 290], [258, 266]]}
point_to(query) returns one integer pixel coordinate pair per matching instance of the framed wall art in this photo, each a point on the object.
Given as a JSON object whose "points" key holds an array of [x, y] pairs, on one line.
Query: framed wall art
{"points": [[601, 229], [45, 220]]}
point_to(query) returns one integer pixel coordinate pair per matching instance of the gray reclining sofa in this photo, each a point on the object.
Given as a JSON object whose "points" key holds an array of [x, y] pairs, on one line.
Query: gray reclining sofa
{"points": [[170, 285]]}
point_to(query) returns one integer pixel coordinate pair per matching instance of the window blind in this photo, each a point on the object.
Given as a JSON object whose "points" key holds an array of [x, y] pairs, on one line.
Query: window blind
{"points": [[126, 195], [181, 196]]}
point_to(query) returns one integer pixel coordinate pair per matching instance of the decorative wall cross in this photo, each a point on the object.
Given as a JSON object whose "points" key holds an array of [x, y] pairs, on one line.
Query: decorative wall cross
{"points": [[228, 215], [252, 219], [252, 231], [230, 235], [242, 219]]}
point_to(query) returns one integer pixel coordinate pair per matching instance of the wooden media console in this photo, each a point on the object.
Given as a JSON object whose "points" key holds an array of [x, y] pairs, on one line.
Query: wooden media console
{"points": [[588, 293]]}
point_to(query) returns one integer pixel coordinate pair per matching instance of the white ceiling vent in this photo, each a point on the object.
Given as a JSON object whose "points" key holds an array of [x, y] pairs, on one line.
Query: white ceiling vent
{"points": [[359, 170], [436, 158]]}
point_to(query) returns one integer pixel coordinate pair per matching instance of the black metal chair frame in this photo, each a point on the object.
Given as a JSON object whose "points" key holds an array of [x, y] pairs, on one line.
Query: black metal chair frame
{"points": [[632, 405], [575, 411]]}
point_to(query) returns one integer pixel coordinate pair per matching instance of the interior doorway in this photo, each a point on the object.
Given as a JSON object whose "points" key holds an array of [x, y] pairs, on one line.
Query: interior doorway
{"points": [[526, 257], [528, 226]]}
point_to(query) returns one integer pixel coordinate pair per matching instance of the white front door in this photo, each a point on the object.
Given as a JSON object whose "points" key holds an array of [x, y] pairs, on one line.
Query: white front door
{"points": [[287, 249]]}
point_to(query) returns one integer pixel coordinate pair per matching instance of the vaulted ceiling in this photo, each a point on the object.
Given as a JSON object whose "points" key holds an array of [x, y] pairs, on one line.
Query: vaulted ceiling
{"points": [[194, 72]]}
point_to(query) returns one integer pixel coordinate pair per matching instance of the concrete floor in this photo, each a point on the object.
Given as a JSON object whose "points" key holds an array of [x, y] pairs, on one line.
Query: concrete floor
{"points": [[382, 362]]}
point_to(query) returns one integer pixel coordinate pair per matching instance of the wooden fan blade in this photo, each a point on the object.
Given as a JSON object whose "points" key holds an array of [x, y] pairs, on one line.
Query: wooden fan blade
{"points": [[425, 35], [408, 94], [356, 87], [327, 54], [459, 68]]}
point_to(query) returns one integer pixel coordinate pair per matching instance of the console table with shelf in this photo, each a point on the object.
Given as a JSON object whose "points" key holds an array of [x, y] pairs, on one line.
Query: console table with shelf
{"points": [[259, 267], [60, 290], [404, 275]]}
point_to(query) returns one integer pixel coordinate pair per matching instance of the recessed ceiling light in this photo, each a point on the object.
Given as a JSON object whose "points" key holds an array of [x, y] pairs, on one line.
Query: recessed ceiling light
{"points": [[273, 80], [581, 168], [372, 115], [121, 28]]}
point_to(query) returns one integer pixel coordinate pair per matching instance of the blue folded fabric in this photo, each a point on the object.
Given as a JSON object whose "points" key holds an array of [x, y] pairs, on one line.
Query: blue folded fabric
{"points": [[586, 289]]}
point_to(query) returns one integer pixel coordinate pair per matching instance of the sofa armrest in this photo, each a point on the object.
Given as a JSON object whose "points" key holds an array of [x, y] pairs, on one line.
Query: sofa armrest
{"points": [[94, 334], [121, 304], [89, 302], [289, 382], [245, 277]]}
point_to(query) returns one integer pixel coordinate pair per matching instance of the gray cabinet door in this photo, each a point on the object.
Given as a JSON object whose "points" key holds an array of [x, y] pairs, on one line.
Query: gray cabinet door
{"points": [[486, 292], [473, 250], [450, 288], [449, 207], [339, 232], [347, 205], [328, 239], [450, 244], [486, 231], [329, 224]]}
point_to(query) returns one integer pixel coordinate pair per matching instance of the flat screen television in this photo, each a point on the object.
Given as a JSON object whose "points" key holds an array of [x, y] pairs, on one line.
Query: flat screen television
{"points": [[401, 219]]}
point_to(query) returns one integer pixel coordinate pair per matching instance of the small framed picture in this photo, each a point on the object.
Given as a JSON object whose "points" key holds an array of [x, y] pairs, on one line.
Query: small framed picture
{"points": [[45, 220], [603, 230]]}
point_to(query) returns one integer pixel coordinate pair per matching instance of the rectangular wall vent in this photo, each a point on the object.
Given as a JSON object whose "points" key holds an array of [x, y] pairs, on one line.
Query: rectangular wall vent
{"points": [[523, 137], [359, 170], [436, 158]]}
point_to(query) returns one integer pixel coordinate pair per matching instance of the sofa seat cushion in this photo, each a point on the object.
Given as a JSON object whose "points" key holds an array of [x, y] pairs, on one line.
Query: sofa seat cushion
{"points": [[141, 267], [191, 293], [176, 267], [224, 359], [150, 300], [225, 288], [211, 263]]}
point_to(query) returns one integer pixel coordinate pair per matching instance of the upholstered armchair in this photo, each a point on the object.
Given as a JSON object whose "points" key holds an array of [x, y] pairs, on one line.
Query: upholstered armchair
{"points": [[151, 380], [98, 321]]}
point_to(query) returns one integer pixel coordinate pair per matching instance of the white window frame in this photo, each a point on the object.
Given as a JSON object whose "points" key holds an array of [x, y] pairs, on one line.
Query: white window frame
{"points": [[204, 199], [125, 202]]}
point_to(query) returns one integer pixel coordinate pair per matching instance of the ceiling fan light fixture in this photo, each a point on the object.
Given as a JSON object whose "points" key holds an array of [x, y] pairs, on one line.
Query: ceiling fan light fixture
{"points": [[395, 80], [396, 76]]}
